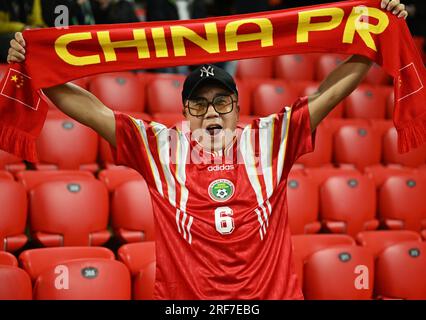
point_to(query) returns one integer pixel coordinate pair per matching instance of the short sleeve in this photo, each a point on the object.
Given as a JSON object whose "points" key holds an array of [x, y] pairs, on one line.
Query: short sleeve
{"points": [[300, 139], [133, 140]]}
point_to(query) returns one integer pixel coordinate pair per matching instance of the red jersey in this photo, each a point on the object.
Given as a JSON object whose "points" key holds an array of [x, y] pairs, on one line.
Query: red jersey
{"points": [[222, 229]]}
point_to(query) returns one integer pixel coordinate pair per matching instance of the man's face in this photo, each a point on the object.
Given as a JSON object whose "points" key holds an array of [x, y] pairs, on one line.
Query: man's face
{"points": [[212, 130]]}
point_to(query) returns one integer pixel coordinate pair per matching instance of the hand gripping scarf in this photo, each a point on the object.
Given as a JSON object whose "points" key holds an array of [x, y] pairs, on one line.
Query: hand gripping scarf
{"points": [[55, 56]]}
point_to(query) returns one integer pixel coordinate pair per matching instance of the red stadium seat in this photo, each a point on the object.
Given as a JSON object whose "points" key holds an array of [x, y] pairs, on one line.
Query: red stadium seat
{"points": [[10, 162], [303, 215], [112, 178], [322, 155], [15, 284], [414, 158], [31, 179], [140, 260], [168, 119], [66, 144], [402, 203], [121, 91], [377, 76], [271, 98], [137, 256], [400, 272], [379, 174], [381, 126], [36, 261], [13, 215], [7, 259], [320, 175], [366, 102], [244, 97], [343, 272], [4, 175], [296, 67], [337, 111], [70, 213], [165, 95], [131, 212], [305, 245], [358, 145], [377, 241], [327, 63], [144, 283], [255, 68], [348, 204], [88, 279]]}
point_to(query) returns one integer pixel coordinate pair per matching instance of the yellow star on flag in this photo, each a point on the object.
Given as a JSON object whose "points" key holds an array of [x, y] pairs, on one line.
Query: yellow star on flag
{"points": [[14, 78]]}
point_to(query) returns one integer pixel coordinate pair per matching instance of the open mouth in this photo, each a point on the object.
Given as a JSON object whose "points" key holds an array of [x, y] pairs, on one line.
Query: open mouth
{"points": [[214, 129]]}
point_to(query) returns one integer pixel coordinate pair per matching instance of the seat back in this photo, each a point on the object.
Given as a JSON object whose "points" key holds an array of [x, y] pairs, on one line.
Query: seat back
{"points": [[295, 67], [131, 209], [136, 256], [121, 91], [269, 98], [36, 261], [13, 215], [84, 279], [366, 102], [73, 210], [305, 245], [65, 143], [255, 67], [402, 198], [112, 178], [15, 284], [144, 283], [350, 200], [165, 95], [31, 179], [344, 272], [413, 158], [377, 241], [303, 214], [400, 271], [357, 145]]}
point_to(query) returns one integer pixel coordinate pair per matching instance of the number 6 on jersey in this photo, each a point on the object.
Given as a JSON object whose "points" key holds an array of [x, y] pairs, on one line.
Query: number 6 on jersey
{"points": [[224, 220]]}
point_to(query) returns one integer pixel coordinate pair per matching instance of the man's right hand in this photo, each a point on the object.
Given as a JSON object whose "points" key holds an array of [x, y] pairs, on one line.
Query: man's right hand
{"points": [[17, 49]]}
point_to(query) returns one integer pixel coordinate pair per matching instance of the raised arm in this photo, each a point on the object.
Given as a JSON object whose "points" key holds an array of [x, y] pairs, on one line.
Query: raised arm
{"points": [[72, 100], [346, 77]]}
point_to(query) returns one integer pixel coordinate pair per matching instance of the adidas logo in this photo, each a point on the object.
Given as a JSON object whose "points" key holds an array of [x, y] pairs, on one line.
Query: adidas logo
{"points": [[223, 167]]}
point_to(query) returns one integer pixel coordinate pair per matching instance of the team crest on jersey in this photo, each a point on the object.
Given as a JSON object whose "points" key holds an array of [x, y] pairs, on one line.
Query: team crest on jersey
{"points": [[221, 190]]}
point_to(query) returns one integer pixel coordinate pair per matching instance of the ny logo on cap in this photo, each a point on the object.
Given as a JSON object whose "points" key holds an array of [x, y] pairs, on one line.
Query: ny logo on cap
{"points": [[207, 72]]}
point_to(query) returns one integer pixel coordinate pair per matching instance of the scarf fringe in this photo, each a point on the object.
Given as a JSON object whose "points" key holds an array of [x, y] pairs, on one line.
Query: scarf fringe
{"points": [[18, 143], [412, 135]]}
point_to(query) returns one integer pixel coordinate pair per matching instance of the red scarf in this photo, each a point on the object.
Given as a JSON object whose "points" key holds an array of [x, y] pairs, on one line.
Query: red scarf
{"points": [[56, 56]]}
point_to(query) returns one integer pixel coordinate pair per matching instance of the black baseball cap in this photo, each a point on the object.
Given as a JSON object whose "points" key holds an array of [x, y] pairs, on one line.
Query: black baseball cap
{"points": [[204, 73]]}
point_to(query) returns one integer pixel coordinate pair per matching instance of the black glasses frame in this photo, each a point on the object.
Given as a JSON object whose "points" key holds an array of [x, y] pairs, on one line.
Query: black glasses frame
{"points": [[211, 102]]}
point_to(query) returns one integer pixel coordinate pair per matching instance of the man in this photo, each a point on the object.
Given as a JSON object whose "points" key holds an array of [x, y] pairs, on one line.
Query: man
{"points": [[218, 191]]}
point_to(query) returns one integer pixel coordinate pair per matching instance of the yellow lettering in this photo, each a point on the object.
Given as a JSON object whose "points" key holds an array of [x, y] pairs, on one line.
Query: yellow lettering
{"points": [[364, 29], [159, 42], [138, 41], [210, 44], [265, 35], [62, 51], [305, 26]]}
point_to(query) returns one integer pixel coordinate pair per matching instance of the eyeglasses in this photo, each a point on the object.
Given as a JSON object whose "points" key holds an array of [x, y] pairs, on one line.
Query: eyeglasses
{"points": [[221, 104]]}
